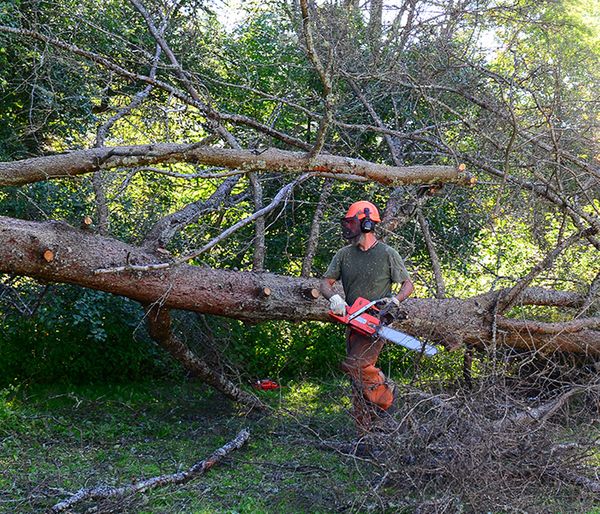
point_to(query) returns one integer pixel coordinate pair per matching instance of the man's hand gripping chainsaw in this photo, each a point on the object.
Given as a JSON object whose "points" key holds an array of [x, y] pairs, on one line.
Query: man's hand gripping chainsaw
{"points": [[365, 317]]}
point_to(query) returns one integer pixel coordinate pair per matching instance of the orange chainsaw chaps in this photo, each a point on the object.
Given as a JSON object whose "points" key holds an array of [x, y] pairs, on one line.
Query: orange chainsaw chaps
{"points": [[375, 388]]}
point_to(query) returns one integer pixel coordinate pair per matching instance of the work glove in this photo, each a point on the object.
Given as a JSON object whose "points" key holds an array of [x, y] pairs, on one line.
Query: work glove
{"points": [[393, 301], [337, 305], [389, 309]]}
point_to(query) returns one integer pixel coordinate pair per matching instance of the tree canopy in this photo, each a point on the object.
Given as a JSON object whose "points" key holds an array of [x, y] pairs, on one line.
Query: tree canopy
{"points": [[195, 148]]}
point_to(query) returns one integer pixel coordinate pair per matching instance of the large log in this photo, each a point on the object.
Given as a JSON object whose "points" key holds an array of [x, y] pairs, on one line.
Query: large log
{"points": [[87, 161], [78, 254]]}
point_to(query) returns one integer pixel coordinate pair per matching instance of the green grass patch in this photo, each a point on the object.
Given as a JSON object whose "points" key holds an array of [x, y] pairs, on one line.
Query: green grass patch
{"points": [[56, 440]]}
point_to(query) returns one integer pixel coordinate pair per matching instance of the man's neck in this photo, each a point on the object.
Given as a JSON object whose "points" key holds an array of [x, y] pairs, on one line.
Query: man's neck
{"points": [[367, 241]]}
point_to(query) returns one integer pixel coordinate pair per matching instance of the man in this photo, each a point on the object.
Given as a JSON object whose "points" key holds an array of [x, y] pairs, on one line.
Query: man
{"points": [[367, 268]]}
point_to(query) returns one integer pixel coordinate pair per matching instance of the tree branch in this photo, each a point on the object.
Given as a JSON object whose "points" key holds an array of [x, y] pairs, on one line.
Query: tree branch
{"points": [[258, 259], [508, 299], [279, 197], [87, 161], [180, 95], [440, 289], [540, 327], [240, 295], [538, 414], [159, 327], [102, 213], [104, 492], [169, 226], [324, 74], [313, 236]]}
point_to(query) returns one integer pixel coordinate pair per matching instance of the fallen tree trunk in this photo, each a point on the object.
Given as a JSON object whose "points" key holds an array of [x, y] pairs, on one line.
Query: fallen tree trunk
{"points": [[78, 254]]}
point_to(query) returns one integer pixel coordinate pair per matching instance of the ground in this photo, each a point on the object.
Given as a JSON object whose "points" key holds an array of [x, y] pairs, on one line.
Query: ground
{"points": [[56, 440]]}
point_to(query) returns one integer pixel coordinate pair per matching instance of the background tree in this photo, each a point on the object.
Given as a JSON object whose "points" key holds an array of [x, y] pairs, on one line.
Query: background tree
{"points": [[410, 90]]}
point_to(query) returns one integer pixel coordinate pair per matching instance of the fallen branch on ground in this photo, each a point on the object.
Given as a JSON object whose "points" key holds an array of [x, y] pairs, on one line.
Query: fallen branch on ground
{"points": [[103, 491], [539, 414], [590, 484]]}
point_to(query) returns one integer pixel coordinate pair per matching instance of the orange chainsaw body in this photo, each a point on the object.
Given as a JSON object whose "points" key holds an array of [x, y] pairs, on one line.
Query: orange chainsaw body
{"points": [[364, 322]]}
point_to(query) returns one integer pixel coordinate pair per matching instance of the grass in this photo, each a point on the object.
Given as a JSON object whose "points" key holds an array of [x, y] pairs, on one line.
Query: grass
{"points": [[54, 441]]}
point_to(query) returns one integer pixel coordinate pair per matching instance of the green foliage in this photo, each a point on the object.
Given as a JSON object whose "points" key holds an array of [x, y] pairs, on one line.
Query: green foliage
{"points": [[288, 350], [292, 352], [74, 437], [70, 436], [10, 419], [485, 237], [77, 335]]}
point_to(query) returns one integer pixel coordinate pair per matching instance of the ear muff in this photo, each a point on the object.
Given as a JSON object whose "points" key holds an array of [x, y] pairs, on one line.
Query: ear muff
{"points": [[367, 224]]}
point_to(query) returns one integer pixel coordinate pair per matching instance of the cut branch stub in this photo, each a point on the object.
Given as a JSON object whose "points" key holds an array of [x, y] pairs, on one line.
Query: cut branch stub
{"points": [[311, 293], [48, 255], [86, 222]]}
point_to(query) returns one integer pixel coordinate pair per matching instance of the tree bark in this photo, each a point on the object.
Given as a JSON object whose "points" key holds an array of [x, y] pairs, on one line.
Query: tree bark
{"points": [[450, 322]]}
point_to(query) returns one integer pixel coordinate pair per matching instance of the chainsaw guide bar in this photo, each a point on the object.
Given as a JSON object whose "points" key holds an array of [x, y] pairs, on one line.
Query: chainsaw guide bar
{"points": [[363, 316]]}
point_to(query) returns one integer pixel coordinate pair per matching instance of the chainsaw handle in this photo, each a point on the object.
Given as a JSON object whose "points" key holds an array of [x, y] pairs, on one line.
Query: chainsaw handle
{"points": [[391, 312]]}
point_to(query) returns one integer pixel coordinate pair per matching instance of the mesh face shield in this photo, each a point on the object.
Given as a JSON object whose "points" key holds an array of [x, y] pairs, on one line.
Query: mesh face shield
{"points": [[350, 227]]}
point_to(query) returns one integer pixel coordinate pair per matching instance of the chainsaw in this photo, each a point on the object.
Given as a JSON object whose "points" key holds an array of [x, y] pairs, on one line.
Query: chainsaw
{"points": [[266, 384], [366, 318]]}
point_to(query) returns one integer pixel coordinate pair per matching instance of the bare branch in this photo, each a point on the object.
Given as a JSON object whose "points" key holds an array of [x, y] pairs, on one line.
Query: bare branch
{"points": [[102, 213], [540, 327], [388, 137], [180, 95], [104, 492], [509, 298], [313, 236], [440, 289], [324, 74], [165, 229], [258, 259], [86, 161], [538, 414], [279, 197], [159, 327]]}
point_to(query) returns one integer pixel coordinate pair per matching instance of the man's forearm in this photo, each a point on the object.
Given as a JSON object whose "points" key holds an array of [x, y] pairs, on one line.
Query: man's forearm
{"points": [[405, 291], [326, 289]]}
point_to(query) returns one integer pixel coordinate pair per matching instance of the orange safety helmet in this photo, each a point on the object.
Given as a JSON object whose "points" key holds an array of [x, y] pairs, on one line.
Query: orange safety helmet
{"points": [[358, 209]]}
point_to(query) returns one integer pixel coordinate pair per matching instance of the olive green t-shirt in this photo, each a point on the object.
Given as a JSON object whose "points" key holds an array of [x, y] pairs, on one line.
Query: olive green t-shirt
{"points": [[370, 273]]}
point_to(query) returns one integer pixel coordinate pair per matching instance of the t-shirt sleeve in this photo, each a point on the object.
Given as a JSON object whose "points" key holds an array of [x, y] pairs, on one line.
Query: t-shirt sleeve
{"points": [[397, 267], [334, 270]]}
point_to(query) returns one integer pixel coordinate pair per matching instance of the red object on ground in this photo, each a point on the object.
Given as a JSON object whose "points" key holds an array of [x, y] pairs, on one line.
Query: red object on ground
{"points": [[266, 384]]}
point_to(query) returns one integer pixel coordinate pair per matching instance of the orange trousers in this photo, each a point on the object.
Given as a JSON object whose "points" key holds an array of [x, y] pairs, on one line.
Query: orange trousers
{"points": [[370, 390]]}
